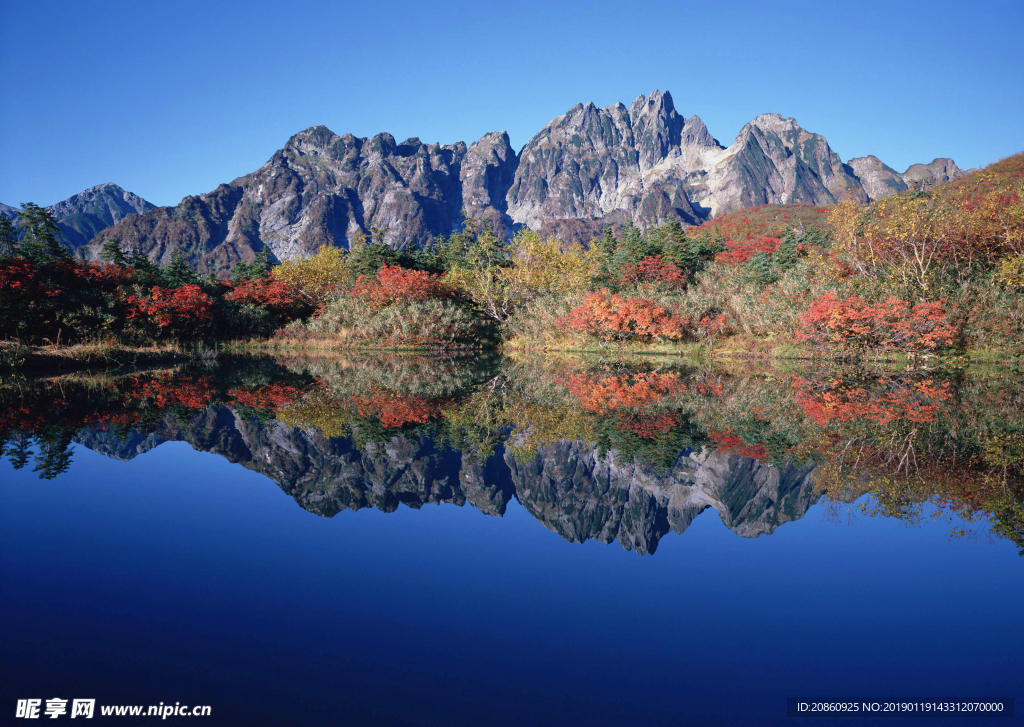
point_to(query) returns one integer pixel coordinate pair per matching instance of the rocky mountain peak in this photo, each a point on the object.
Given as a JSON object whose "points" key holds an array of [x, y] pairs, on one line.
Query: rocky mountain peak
{"points": [[488, 169], [936, 172], [880, 180], [587, 167], [82, 216], [696, 134], [314, 140]]}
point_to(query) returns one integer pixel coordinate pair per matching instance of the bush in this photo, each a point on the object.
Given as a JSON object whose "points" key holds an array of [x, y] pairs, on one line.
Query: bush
{"points": [[849, 325], [612, 317], [653, 270], [427, 322], [393, 284]]}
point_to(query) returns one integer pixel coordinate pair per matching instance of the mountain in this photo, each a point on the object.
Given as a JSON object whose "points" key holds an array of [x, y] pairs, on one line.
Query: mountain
{"points": [[880, 180], [645, 164], [570, 487], [83, 215], [321, 189], [654, 165]]}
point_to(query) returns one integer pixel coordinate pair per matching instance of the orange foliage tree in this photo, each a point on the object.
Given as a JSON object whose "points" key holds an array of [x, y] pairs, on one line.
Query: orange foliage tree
{"points": [[653, 270], [612, 317], [394, 284], [850, 325]]}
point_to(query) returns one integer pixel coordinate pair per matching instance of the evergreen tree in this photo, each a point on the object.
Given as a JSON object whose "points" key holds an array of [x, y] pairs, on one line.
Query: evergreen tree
{"points": [[147, 272], [42, 235], [258, 269], [8, 238], [178, 273], [112, 253]]}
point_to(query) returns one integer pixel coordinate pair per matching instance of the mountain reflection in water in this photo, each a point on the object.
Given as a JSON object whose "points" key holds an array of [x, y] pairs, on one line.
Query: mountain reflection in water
{"points": [[622, 450]]}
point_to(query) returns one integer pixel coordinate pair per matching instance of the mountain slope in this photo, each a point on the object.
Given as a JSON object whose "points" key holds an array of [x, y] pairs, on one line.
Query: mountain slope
{"points": [[591, 166], [83, 215], [880, 180], [322, 189]]}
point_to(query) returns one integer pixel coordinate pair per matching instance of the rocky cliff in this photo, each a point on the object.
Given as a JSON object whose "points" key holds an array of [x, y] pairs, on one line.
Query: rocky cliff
{"points": [[322, 189], [570, 487], [590, 166], [880, 180]]}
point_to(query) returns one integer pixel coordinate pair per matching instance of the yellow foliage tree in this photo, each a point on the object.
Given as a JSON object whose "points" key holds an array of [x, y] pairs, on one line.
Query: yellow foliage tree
{"points": [[537, 267], [319, 278]]}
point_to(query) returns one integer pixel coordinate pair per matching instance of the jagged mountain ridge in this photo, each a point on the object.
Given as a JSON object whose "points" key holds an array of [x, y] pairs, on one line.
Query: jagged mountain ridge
{"points": [[880, 180], [570, 487], [646, 164], [82, 216]]}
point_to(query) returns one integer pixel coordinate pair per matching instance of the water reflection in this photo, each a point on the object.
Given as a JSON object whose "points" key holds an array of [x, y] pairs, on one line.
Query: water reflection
{"points": [[622, 450]]}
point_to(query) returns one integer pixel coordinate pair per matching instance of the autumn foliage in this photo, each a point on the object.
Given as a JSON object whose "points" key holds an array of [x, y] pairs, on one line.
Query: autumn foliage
{"points": [[269, 292], [740, 251], [852, 325], [393, 284], [653, 270], [604, 393], [612, 317], [395, 410], [167, 306], [884, 400]]}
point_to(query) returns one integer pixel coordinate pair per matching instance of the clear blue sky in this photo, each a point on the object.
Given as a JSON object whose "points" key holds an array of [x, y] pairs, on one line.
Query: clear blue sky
{"points": [[169, 99]]}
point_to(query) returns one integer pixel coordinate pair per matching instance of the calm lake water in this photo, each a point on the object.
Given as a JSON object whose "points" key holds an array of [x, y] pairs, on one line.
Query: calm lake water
{"points": [[427, 540]]}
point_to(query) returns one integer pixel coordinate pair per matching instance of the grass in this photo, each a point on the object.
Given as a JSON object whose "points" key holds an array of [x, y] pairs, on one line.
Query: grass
{"points": [[16, 356]]}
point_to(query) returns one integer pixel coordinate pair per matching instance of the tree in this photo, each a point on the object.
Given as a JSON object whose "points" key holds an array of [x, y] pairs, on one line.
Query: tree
{"points": [[112, 253], [178, 273], [319, 278], [42, 234], [258, 269], [8, 238]]}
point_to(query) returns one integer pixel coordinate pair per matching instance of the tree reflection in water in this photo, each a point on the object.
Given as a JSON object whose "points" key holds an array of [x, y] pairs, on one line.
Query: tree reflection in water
{"points": [[625, 450]]}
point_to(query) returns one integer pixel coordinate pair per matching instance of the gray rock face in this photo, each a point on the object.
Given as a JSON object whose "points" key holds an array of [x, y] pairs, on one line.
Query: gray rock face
{"points": [[654, 165], [880, 180], [320, 189], [580, 494], [109, 444], [570, 487], [591, 162], [928, 175], [775, 161], [591, 166], [486, 175], [83, 215]]}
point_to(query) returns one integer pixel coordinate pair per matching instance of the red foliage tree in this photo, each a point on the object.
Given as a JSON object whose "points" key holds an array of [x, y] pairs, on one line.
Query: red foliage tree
{"points": [[851, 324], [614, 317], [394, 284], [394, 410], [164, 390], [269, 397], [730, 443], [884, 400], [602, 394], [172, 306], [648, 426], [271, 293], [654, 271]]}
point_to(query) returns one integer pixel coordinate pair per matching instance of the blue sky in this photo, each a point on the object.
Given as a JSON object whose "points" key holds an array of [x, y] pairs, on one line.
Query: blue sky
{"points": [[170, 99]]}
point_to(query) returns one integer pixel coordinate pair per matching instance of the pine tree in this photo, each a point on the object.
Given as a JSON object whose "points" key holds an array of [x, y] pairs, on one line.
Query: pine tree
{"points": [[42, 234], [8, 238], [112, 253]]}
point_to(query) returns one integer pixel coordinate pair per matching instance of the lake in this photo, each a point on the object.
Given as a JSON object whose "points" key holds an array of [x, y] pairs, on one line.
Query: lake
{"points": [[443, 540]]}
